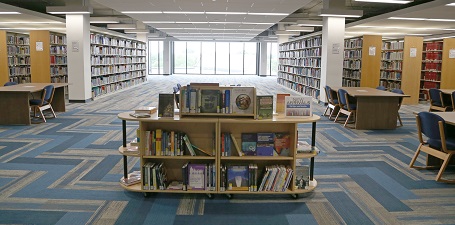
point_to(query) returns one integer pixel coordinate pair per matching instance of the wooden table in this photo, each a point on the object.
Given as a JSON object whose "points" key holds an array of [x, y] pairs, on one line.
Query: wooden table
{"points": [[447, 91], [376, 109], [14, 101]]}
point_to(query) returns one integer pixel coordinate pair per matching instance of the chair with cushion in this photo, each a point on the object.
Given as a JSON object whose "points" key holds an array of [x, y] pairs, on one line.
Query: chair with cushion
{"points": [[348, 105], [400, 100], [439, 101], [438, 143], [10, 83], [44, 102], [332, 102], [382, 88]]}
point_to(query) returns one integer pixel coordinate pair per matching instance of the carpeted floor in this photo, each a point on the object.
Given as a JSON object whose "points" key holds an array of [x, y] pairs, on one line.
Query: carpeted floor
{"points": [[66, 171]]}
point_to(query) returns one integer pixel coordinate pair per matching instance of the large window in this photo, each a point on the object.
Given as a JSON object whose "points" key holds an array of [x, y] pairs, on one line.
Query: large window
{"points": [[155, 57], [215, 57], [272, 58]]}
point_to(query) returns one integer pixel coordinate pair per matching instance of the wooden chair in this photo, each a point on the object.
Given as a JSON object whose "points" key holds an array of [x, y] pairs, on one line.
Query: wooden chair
{"points": [[439, 101], [44, 102], [10, 83], [400, 100], [332, 102], [438, 143], [348, 105], [453, 100]]}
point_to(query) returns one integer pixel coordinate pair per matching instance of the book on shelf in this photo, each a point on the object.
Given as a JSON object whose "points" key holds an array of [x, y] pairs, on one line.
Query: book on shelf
{"points": [[223, 180], [237, 177], [196, 176], [242, 99], [188, 144], [298, 106], [236, 145], [146, 109], [304, 147], [201, 150], [175, 185], [166, 105], [282, 143], [264, 106], [302, 176], [265, 144], [185, 176], [253, 177], [249, 141], [133, 178], [210, 101], [280, 102], [140, 115], [132, 149]]}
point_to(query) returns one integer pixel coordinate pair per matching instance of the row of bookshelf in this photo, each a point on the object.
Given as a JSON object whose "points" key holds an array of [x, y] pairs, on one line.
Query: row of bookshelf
{"points": [[392, 56], [312, 52], [115, 41], [20, 78], [102, 50], [105, 89], [353, 43], [104, 60], [18, 60], [351, 74], [303, 62], [393, 45], [58, 60], [309, 72], [391, 65], [314, 42], [59, 79], [57, 39], [350, 83], [101, 70], [307, 90], [390, 85], [104, 80], [59, 70], [352, 64], [18, 50], [307, 81], [17, 39]]}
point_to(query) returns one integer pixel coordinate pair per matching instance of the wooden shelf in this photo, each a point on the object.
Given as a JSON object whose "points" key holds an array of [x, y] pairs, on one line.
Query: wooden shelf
{"points": [[14, 57]]}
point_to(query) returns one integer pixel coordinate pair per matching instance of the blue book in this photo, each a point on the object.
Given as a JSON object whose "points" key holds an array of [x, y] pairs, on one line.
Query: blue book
{"points": [[249, 143], [227, 101], [265, 144]]}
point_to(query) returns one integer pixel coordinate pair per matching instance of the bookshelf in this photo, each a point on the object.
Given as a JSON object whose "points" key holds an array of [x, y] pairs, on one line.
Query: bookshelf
{"points": [[431, 68], [14, 57], [398, 66], [205, 132], [362, 61], [299, 65], [448, 64], [116, 63]]}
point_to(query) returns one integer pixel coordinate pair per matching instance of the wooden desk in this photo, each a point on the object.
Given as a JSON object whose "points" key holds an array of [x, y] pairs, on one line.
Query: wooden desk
{"points": [[447, 91], [14, 101], [449, 117], [376, 109]]}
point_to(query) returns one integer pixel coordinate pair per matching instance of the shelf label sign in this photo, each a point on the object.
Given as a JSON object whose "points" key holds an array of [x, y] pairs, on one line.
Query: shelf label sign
{"points": [[75, 46], [336, 48], [372, 51], [413, 52], [39, 46], [452, 53]]}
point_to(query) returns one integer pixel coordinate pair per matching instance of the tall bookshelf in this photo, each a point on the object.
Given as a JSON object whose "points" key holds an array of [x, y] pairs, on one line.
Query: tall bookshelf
{"points": [[431, 67], [448, 64], [14, 57], [398, 66], [48, 53], [300, 65], [362, 60], [116, 62]]}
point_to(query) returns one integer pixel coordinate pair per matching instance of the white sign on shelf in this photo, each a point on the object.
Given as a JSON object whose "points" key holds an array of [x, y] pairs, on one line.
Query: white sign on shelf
{"points": [[336, 48], [451, 53], [39, 46], [75, 46], [413, 52], [372, 51]]}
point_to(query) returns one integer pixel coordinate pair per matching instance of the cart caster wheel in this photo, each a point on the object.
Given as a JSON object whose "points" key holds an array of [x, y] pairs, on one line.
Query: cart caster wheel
{"points": [[210, 196], [229, 196], [295, 196]]}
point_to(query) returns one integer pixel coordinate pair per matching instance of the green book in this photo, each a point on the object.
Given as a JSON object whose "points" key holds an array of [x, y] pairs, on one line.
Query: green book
{"points": [[264, 106]]}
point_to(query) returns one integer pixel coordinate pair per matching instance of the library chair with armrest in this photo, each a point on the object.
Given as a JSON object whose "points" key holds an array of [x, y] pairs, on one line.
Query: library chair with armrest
{"points": [[10, 83], [348, 105], [439, 101], [438, 143], [44, 102], [400, 100], [382, 88], [332, 102]]}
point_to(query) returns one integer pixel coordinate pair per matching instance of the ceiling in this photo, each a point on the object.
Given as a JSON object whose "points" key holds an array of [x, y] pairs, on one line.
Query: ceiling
{"points": [[239, 20]]}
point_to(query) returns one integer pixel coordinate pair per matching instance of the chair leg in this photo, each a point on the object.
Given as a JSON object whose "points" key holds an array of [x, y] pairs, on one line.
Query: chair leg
{"points": [[326, 109], [338, 114], [413, 160], [399, 119], [347, 120], [42, 115], [443, 168], [53, 113]]}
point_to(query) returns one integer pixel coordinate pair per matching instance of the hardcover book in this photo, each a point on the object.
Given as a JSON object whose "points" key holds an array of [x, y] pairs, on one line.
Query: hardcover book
{"points": [[146, 109], [249, 141], [264, 106], [209, 101], [237, 177], [298, 106], [265, 144], [166, 105], [302, 176], [280, 102], [282, 144], [196, 176], [242, 100]]}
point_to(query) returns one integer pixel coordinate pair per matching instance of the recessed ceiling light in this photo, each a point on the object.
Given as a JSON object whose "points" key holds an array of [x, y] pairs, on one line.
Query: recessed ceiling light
{"points": [[9, 13], [387, 1]]}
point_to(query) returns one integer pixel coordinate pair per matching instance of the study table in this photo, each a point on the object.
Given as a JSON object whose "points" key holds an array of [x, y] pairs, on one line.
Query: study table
{"points": [[376, 109], [449, 118], [14, 101]]}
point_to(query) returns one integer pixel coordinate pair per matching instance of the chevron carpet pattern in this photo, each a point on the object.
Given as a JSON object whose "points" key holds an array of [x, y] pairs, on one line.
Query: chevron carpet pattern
{"points": [[66, 171]]}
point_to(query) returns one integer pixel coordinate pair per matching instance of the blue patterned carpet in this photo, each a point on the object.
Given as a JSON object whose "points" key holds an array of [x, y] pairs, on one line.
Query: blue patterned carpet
{"points": [[66, 171]]}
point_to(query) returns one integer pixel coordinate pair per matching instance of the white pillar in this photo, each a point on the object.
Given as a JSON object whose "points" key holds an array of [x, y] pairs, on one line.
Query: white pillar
{"points": [[166, 57], [263, 58], [332, 53], [79, 67]]}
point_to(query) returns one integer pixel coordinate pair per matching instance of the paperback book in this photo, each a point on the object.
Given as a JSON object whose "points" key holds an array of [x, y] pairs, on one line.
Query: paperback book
{"points": [[265, 144], [209, 101], [242, 100], [280, 98], [264, 106], [282, 143], [196, 176], [249, 141], [298, 106], [166, 105], [237, 176]]}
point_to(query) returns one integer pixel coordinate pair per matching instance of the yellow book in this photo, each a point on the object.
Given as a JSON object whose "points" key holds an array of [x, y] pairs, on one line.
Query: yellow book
{"points": [[159, 136], [236, 145]]}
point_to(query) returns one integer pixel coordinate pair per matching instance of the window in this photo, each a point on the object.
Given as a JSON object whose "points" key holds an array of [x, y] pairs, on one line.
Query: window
{"points": [[193, 60], [208, 58], [222, 58], [155, 57], [179, 57], [250, 58], [272, 58], [236, 57]]}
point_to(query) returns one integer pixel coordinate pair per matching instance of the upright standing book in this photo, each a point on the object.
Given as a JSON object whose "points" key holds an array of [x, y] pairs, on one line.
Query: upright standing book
{"points": [[264, 106], [209, 101], [166, 105], [265, 144], [298, 106], [196, 176], [238, 177], [249, 141], [280, 102], [242, 100]]}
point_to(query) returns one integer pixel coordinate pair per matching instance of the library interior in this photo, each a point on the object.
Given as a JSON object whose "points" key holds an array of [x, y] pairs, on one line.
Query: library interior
{"points": [[227, 112]]}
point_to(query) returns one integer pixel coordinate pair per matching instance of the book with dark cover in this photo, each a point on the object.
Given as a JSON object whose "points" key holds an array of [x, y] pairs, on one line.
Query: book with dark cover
{"points": [[242, 99], [166, 105], [196, 176], [209, 101], [265, 144], [264, 106], [282, 143], [302, 176], [237, 177], [249, 141]]}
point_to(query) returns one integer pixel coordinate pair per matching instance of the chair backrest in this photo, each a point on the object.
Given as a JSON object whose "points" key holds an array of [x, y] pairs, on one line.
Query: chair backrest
{"points": [[398, 91], [382, 88], [48, 93], [453, 99], [435, 96], [10, 83], [327, 94], [179, 86], [430, 124], [342, 96]]}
